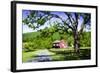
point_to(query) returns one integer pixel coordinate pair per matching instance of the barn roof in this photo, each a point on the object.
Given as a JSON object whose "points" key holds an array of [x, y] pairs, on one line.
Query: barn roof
{"points": [[57, 41]]}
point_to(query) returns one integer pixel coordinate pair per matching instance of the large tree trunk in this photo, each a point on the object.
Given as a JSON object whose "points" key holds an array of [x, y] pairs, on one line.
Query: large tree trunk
{"points": [[76, 42]]}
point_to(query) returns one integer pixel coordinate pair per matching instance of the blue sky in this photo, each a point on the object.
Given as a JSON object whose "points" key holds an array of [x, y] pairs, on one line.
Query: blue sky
{"points": [[26, 29]]}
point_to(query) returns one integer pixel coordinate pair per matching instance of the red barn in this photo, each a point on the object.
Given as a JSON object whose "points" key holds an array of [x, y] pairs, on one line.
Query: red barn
{"points": [[59, 44]]}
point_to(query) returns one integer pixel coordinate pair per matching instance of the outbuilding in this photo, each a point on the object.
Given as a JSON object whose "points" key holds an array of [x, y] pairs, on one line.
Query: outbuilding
{"points": [[59, 44]]}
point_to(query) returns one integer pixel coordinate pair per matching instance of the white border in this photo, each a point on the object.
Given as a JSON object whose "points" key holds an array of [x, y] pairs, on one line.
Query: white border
{"points": [[21, 65]]}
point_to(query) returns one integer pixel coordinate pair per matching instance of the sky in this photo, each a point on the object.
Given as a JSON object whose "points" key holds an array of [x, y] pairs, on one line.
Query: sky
{"points": [[26, 29]]}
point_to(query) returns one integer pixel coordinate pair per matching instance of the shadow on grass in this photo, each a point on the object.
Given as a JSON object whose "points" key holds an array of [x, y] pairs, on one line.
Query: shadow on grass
{"points": [[71, 55]]}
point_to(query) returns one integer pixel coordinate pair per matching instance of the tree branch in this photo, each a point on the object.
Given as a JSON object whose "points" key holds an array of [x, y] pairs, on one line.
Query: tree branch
{"points": [[76, 17], [72, 22], [63, 21]]}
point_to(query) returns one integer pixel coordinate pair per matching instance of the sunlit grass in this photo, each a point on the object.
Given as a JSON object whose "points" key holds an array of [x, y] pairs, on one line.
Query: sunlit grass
{"points": [[27, 55]]}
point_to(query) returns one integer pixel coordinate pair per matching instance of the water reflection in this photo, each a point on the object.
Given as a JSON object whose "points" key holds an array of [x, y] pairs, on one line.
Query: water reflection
{"points": [[41, 58]]}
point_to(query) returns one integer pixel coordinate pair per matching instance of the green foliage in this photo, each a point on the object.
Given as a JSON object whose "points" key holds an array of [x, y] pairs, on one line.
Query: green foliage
{"points": [[85, 39], [29, 37], [56, 36], [43, 39], [70, 38], [30, 46], [71, 21]]}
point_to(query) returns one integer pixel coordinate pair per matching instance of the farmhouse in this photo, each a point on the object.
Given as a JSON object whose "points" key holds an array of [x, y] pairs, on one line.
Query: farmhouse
{"points": [[59, 44]]}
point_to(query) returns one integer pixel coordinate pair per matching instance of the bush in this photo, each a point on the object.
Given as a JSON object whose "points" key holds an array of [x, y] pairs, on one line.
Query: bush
{"points": [[29, 46]]}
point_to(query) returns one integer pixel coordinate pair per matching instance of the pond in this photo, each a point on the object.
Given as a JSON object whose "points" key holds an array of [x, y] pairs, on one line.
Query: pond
{"points": [[42, 58]]}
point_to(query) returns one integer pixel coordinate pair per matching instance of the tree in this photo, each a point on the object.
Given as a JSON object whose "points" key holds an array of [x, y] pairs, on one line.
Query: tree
{"points": [[76, 22]]}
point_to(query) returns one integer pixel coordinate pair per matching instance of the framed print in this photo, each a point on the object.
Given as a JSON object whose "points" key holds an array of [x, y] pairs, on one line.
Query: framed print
{"points": [[47, 36]]}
